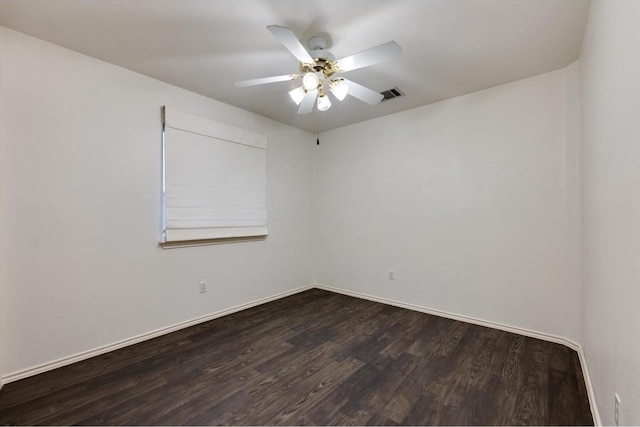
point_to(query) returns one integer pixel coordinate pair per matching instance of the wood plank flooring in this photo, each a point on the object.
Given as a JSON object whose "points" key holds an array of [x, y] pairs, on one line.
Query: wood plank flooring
{"points": [[315, 358]]}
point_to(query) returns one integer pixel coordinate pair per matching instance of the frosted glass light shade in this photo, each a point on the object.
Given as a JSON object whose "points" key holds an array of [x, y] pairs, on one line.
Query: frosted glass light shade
{"points": [[339, 89], [297, 94], [324, 103], [310, 81]]}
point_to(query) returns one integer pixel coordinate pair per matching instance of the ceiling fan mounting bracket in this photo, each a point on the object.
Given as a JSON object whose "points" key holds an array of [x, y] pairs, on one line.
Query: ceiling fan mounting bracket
{"points": [[317, 43]]}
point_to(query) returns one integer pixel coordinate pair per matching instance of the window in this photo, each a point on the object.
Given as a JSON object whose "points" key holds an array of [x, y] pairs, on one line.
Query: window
{"points": [[214, 180]]}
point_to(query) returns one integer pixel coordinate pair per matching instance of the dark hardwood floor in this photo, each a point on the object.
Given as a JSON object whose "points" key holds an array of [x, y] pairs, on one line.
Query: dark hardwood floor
{"points": [[314, 358]]}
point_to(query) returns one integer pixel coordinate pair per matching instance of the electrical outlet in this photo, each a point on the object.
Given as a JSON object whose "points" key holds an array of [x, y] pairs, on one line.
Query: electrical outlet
{"points": [[203, 287], [617, 408], [392, 275]]}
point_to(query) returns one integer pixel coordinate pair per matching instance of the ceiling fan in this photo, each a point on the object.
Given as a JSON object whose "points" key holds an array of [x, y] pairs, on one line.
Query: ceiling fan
{"points": [[318, 69]]}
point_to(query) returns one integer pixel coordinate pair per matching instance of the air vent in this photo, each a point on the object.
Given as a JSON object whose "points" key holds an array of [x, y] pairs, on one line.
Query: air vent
{"points": [[392, 93]]}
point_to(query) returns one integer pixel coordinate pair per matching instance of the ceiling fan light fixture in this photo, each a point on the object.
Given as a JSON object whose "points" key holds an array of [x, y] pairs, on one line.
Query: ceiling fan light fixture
{"points": [[318, 67], [324, 103], [340, 89], [310, 81], [297, 94]]}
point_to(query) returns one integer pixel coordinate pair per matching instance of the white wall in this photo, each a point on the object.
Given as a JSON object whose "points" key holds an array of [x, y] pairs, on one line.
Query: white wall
{"points": [[466, 200], [610, 63], [3, 296], [80, 265]]}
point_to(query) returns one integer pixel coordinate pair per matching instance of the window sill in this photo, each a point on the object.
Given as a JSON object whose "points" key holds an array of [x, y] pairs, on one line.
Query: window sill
{"points": [[207, 242]]}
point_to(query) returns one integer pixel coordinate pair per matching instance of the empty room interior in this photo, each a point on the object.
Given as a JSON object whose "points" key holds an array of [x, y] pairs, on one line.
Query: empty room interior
{"points": [[365, 212]]}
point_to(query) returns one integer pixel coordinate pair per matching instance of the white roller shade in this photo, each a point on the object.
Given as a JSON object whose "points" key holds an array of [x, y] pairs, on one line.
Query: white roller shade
{"points": [[214, 179]]}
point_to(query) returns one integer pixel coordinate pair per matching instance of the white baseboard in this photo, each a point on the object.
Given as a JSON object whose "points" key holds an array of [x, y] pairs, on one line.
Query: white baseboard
{"points": [[590, 390], [490, 324], [48, 366]]}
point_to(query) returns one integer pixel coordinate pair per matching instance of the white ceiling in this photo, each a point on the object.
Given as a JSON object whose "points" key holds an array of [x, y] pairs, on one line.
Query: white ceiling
{"points": [[450, 47]]}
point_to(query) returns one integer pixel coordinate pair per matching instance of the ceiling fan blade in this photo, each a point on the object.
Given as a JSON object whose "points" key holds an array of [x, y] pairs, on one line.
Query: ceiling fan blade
{"points": [[364, 94], [265, 80], [309, 100], [291, 42], [375, 55]]}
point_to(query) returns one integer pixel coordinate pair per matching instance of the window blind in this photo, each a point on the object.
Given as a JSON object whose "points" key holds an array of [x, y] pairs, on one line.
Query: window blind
{"points": [[214, 179]]}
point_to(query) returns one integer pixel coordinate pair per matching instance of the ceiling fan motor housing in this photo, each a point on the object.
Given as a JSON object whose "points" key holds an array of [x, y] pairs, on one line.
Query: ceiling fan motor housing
{"points": [[322, 65], [324, 60]]}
